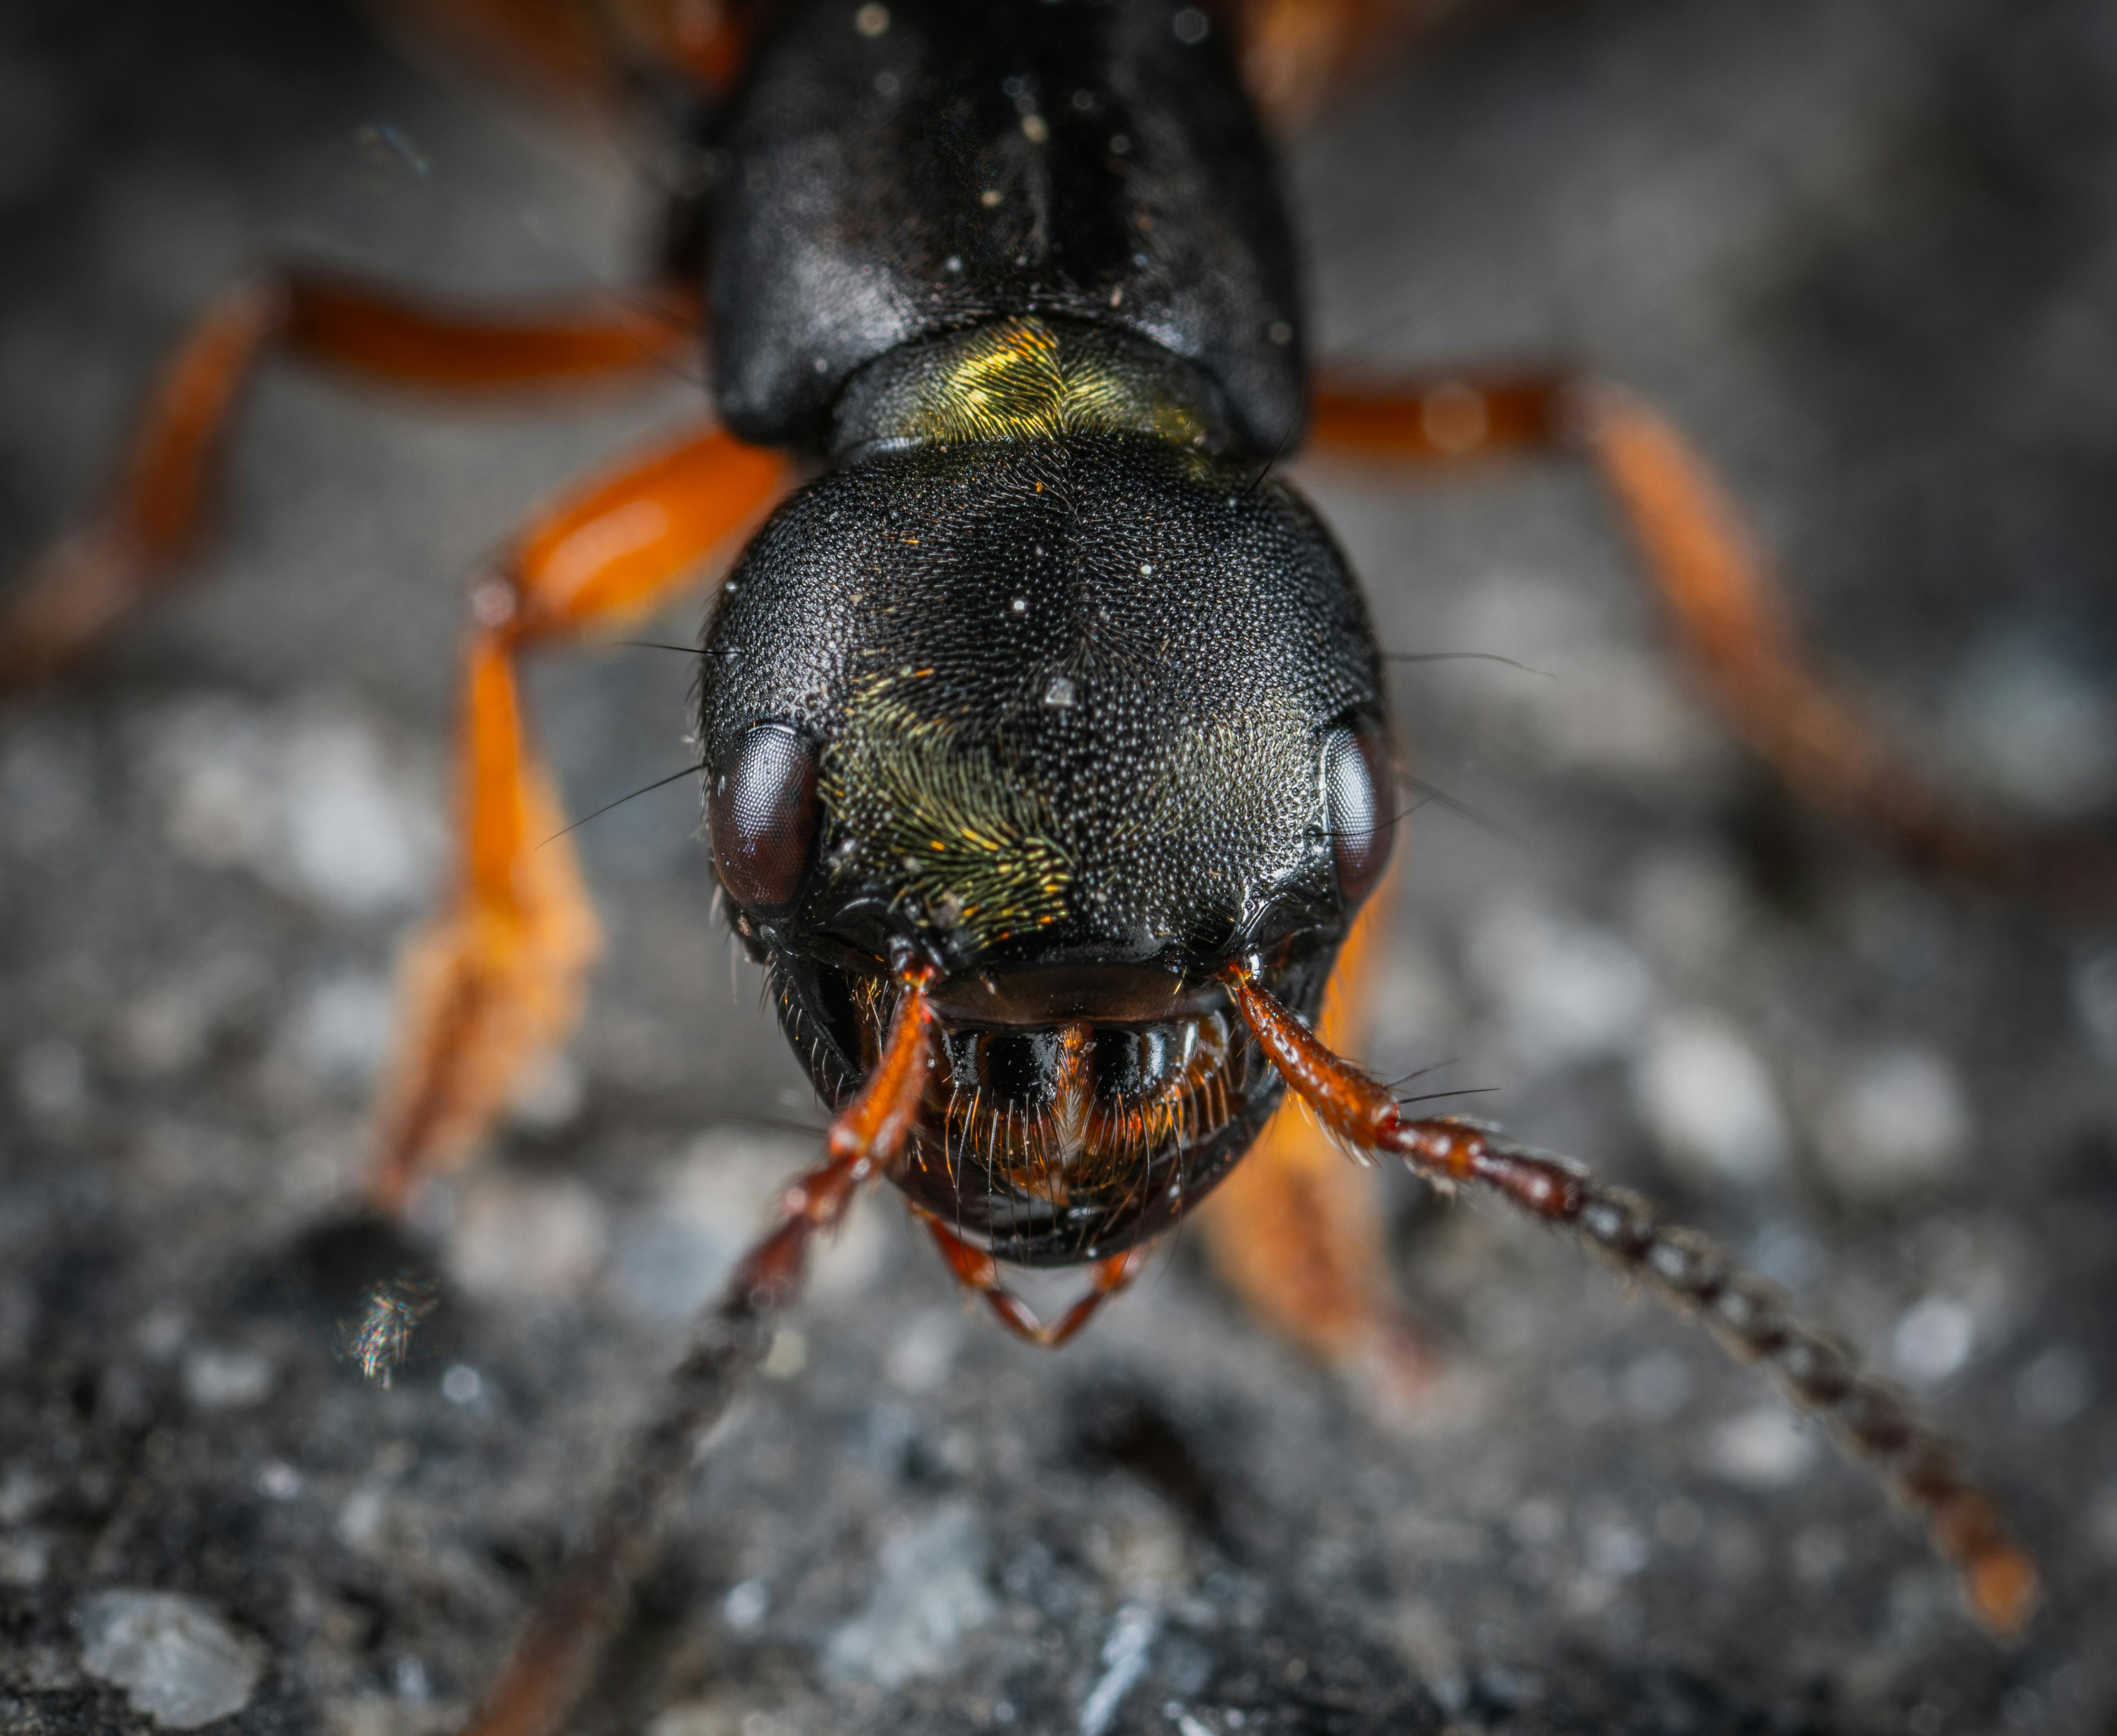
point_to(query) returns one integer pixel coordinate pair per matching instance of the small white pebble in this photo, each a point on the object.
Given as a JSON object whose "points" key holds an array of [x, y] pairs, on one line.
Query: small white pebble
{"points": [[514, 1237], [1685, 906], [364, 1522], [932, 1591], [315, 803], [921, 1354], [178, 1662], [277, 1480], [1898, 1123], [340, 1034], [2036, 728], [1764, 1448], [1059, 693], [1566, 992], [1617, 1550], [353, 833], [22, 1492], [217, 1379], [1707, 1099], [1933, 1339], [1125, 1651], [549, 1095], [1784, 1254], [408, 1676], [788, 1357], [744, 1606]]}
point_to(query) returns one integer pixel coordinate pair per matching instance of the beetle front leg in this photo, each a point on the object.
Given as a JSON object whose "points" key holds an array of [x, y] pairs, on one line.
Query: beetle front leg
{"points": [[494, 980]]}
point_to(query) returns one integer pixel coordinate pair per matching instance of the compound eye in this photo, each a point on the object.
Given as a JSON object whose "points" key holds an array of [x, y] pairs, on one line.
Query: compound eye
{"points": [[761, 815], [1359, 792]]}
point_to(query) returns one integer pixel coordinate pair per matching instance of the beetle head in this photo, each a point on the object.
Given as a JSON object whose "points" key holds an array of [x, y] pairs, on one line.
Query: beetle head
{"points": [[1077, 721]]}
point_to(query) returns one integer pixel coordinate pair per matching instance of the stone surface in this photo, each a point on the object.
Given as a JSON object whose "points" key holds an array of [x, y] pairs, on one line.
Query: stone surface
{"points": [[177, 1661], [1864, 250]]}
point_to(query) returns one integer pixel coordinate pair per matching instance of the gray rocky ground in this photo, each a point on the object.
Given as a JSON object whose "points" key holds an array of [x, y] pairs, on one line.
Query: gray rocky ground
{"points": [[1867, 251]]}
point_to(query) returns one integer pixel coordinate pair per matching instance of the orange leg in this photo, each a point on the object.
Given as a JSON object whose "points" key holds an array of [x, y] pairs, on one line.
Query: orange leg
{"points": [[978, 1271], [494, 980], [584, 56], [78, 591], [1294, 1229], [1301, 58], [1731, 618]]}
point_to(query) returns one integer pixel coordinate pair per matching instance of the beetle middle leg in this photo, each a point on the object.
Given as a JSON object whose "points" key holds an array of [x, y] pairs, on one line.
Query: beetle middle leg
{"points": [[1707, 566], [136, 543], [494, 980], [1301, 56]]}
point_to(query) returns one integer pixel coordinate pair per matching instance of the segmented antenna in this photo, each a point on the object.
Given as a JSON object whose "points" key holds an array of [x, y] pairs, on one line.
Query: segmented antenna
{"points": [[1752, 1319]]}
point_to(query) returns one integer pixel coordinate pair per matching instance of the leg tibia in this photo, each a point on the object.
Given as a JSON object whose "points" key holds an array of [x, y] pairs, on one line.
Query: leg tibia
{"points": [[494, 980], [83, 585], [1727, 612], [1300, 56]]}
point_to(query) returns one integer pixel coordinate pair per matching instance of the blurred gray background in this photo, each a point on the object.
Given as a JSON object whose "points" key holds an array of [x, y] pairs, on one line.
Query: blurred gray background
{"points": [[1866, 249]]}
